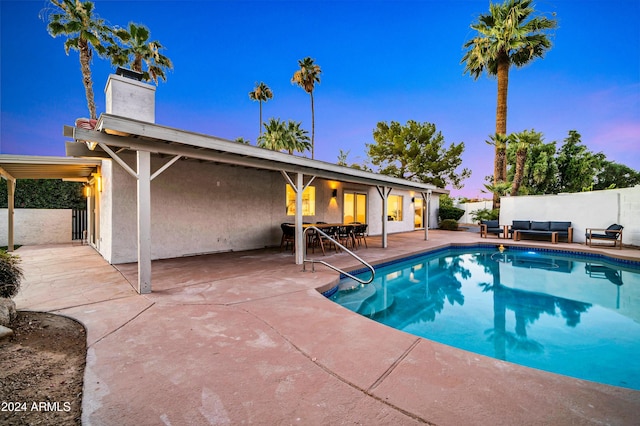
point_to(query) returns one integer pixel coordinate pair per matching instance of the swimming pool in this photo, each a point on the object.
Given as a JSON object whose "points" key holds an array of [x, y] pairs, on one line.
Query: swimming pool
{"points": [[571, 314]]}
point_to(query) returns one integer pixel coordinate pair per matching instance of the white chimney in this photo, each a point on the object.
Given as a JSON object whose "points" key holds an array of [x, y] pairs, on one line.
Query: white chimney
{"points": [[128, 97]]}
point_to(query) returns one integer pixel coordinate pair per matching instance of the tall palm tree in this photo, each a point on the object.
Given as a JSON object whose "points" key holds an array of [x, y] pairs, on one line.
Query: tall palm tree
{"points": [[281, 136], [262, 93], [522, 140], [508, 35], [85, 33], [137, 51], [307, 77]]}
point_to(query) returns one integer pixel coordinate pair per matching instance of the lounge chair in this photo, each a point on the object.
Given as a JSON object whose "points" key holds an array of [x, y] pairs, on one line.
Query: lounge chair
{"points": [[491, 227], [612, 234]]}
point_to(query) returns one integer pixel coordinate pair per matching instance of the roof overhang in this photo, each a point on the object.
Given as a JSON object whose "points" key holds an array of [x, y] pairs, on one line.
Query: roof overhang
{"points": [[39, 167], [120, 133]]}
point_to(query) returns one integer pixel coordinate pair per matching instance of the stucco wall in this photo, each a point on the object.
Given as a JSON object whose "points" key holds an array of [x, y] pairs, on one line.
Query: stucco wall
{"points": [[37, 226], [469, 208], [595, 209], [204, 208]]}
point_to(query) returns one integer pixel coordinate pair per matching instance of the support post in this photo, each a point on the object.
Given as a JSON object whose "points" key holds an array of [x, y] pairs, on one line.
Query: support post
{"points": [[144, 222], [384, 193], [300, 245], [11, 192]]}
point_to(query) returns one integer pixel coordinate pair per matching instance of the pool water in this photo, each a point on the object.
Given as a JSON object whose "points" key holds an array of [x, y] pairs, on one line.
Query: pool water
{"points": [[568, 314]]}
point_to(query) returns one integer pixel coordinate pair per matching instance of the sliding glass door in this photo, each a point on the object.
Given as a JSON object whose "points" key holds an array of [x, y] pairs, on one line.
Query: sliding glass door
{"points": [[355, 207]]}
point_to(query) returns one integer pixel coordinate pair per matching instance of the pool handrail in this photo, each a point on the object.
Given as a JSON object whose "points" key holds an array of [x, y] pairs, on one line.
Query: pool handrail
{"points": [[328, 265]]}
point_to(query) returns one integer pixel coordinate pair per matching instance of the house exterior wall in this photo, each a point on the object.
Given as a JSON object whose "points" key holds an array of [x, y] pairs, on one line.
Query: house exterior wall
{"points": [[201, 208], [594, 209], [37, 226]]}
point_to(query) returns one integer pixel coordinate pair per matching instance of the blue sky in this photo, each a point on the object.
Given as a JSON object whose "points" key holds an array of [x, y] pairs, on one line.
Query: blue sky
{"points": [[380, 60]]}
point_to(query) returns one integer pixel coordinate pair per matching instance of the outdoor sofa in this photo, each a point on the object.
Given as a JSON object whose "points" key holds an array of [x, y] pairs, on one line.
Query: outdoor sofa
{"points": [[553, 229]]}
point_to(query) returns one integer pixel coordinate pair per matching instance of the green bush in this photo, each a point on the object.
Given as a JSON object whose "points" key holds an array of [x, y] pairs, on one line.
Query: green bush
{"points": [[449, 225], [485, 214], [450, 213], [10, 274]]}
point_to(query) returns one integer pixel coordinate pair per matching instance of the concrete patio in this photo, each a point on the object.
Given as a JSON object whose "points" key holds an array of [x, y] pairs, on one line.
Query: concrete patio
{"points": [[246, 338]]}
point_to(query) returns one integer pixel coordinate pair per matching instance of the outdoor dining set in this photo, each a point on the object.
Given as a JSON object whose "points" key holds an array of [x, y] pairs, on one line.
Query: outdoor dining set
{"points": [[349, 235]]}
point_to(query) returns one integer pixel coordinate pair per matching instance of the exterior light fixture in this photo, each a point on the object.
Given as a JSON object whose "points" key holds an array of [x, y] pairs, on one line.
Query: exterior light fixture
{"points": [[334, 193]]}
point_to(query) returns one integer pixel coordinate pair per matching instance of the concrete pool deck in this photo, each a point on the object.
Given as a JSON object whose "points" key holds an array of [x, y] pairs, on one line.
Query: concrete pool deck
{"points": [[245, 338]]}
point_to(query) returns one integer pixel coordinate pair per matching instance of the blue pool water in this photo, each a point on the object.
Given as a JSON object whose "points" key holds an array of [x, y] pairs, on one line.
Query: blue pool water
{"points": [[576, 315]]}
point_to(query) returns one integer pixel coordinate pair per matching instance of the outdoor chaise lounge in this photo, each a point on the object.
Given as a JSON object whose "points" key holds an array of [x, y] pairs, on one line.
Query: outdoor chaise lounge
{"points": [[553, 229], [612, 234], [491, 227]]}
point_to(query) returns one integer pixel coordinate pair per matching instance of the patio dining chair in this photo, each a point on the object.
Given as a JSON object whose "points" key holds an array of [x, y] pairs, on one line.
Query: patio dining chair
{"points": [[288, 236], [360, 234]]}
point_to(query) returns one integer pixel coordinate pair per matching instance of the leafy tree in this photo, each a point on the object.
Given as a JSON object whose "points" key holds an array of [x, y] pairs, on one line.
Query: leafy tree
{"points": [[509, 35], [137, 50], [614, 175], [242, 140], [44, 194], [540, 172], [416, 152], [262, 93], [85, 33], [307, 77], [279, 136], [522, 141], [577, 166]]}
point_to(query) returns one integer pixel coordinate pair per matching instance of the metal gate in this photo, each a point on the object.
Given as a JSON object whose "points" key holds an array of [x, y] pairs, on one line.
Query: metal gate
{"points": [[78, 224]]}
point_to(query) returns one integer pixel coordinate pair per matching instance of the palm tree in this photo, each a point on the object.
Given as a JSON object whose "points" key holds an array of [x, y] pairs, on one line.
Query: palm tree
{"points": [[279, 136], [138, 50], [498, 189], [522, 140], [262, 93], [508, 35], [85, 33], [306, 77], [499, 140]]}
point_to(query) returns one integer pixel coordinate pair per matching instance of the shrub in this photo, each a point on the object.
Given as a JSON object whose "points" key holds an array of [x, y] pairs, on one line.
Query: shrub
{"points": [[449, 225], [450, 213], [485, 214], [10, 274]]}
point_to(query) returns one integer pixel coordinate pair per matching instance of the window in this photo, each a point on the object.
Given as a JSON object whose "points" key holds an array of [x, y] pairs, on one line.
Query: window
{"points": [[394, 207], [308, 201], [355, 207]]}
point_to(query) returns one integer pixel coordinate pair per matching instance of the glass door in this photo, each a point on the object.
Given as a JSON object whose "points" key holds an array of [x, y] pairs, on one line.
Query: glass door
{"points": [[418, 206], [355, 207]]}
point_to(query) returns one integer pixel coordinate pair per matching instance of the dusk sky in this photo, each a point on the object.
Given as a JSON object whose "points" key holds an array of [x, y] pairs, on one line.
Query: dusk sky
{"points": [[380, 60]]}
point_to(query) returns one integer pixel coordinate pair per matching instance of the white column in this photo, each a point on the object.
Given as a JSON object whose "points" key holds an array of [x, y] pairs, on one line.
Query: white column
{"points": [[144, 222], [385, 213], [11, 191], [300, 244]]}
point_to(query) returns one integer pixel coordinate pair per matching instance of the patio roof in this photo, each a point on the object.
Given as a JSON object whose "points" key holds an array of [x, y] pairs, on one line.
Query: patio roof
{"points": [[40, 167], [129, 134]]}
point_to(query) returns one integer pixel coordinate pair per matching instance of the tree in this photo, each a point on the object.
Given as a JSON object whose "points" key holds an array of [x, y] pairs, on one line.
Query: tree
{"points": [[262, 93], [307, 77], [614, 175], [522, 141], [499, 141], [279, 136], [508, 35], [137, 50], [416, 152], [577, 166], [540, 172], [85, 33]]}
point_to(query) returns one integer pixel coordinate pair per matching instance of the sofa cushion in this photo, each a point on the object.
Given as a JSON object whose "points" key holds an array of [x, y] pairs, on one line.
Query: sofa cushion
{"points": [[539, 226], [559, 226], [491, 223], [614, 227], [520, 224]]}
